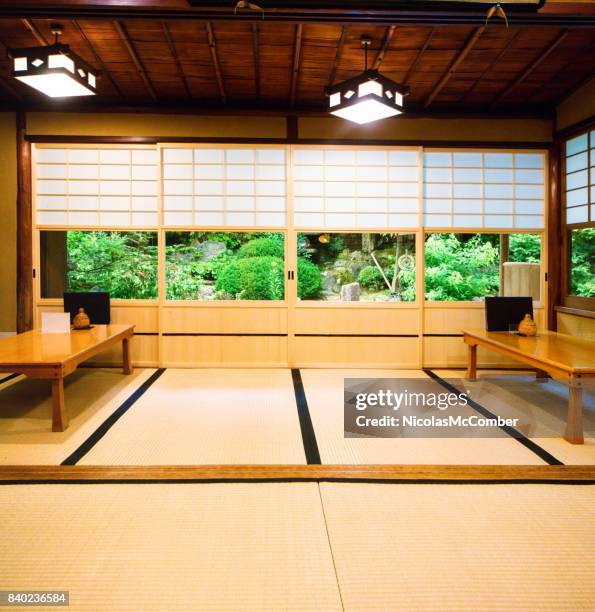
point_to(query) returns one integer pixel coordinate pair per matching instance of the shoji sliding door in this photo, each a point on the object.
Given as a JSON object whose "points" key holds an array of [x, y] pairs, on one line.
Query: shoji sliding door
{"points": [[278, 255]]}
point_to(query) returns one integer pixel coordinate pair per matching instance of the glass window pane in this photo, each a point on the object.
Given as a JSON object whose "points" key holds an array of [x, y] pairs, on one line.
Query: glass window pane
{"points": [[357, 267], [225, 265], [123, 263], [469, 267], [582, 258]]}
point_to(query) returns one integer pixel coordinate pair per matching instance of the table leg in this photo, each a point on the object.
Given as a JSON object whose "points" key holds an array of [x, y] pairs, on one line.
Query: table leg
{"points": [[471, 362], [127, 364], [574, 420], [59, 418]]}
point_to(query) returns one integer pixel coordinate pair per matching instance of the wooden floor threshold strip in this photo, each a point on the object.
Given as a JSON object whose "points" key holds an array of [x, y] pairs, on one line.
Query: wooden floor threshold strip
{"points": [[440, 474]]}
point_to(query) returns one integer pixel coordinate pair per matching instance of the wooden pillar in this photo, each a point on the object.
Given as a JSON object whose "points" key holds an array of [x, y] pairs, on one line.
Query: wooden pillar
{"points": [[554, 237], [503, 258], [24, 229]]}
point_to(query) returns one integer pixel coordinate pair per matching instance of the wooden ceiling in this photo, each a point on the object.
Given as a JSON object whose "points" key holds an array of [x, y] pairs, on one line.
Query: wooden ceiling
{"points": [[271, 65]]}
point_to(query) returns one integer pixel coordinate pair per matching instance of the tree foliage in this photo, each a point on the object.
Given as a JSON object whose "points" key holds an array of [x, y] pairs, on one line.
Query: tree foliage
{"points": [[582, 273], [123, 263], [460, 268]]}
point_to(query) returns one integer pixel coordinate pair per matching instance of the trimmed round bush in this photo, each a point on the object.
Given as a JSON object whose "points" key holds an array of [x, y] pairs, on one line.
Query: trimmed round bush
{"points": [[253, 278], [309, 279], [262, 247], [371, 278]]}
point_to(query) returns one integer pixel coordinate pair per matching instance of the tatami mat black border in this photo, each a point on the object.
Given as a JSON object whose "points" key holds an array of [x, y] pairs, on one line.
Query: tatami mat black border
{"points": [[511, 431], [356, 336], [306, 427], [383, 481], [257, 335], [9, 377], [94, 438]]}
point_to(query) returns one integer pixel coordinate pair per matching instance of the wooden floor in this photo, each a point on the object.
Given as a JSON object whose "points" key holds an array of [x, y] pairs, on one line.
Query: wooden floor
{"points": [[348, 473]]}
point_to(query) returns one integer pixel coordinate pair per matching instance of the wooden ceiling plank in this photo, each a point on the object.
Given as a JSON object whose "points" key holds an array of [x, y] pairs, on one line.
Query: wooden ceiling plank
{"points": [[215, 62], [39, 37], [419, 56], [390, 31], [98, 59], [340, 44], [492, 64], [461, 55], [122, 31], [585, 51], [172, 49], [531, 67], [295, 68], [256, 55]]}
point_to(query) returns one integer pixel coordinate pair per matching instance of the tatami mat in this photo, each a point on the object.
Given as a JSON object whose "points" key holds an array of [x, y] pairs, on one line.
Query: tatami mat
{"points": [[170, 547], [207, 416], [91, 395], [324, 392], [545, 404], [462, 547]]}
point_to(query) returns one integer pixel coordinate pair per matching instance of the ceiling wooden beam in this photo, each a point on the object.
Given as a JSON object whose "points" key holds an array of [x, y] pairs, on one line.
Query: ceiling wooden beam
{"points": [[331, 11], [531, 67], [215, 61], [295, 68], [104, 71], [256, 56], [337, 59], [172, 49], [492, 64], [419, 56], [456, 62], [39, 37], [7, 83], [390, 31], [123, 32]]}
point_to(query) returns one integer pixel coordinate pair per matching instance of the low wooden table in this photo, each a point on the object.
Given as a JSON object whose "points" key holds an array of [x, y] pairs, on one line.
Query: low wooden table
{"points": [[562, 357], [54, 356]]}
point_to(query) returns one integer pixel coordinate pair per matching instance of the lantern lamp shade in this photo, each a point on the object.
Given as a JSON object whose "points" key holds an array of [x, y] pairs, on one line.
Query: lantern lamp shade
{"points": [[54, 70], [367, 97]]}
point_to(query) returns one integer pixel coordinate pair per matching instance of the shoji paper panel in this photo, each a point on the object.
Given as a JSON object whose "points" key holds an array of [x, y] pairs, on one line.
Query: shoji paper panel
{"points": [[100, 187], [356, 188], [484, 189], [224, 187], [580, 178]]}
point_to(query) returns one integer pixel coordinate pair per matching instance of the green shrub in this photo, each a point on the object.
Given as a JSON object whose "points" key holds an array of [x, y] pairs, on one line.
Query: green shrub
{"points": [[309, 279], [262, 247], [371, 278], [253, 278]]}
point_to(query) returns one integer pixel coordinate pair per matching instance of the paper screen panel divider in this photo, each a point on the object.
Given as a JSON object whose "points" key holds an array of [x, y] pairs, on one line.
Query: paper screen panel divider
{"points": [[351, 188], [484, 189], [96, 187], [225, 187]]}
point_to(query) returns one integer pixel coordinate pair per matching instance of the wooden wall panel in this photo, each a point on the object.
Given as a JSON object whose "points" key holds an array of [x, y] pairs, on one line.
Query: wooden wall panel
{"points": [[145, 353], [451, 352], [320, 352], [224, 320], [583, 327], [342, 320], [224, 351], [452, 319]]}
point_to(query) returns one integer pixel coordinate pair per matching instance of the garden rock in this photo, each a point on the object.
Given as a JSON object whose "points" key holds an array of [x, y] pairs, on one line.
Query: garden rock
{"points": [[211, 249], [350, 292]]}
